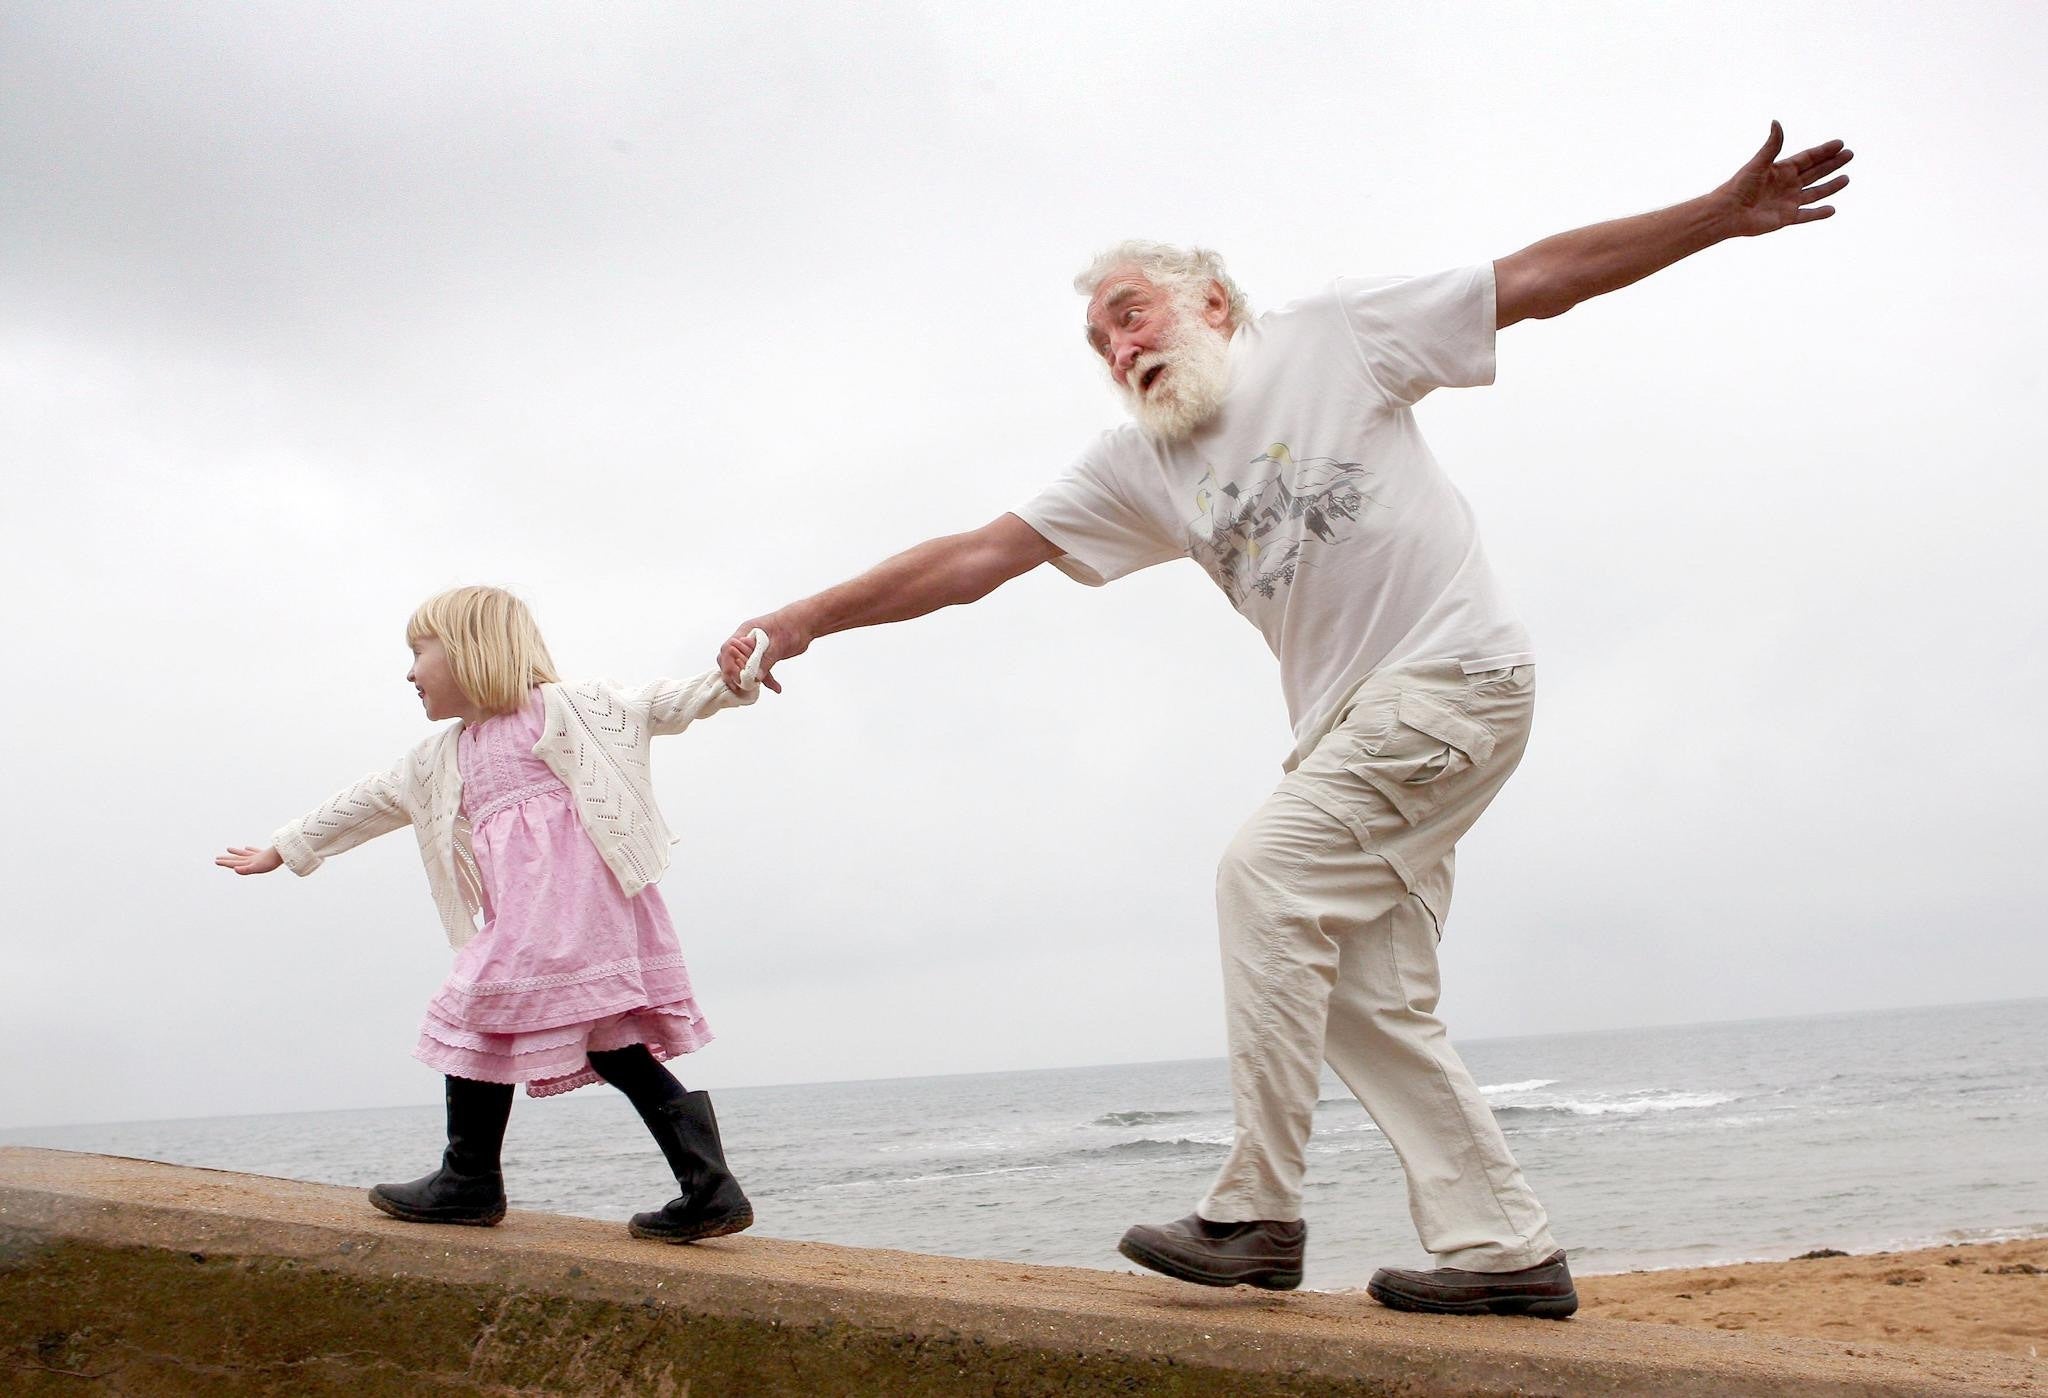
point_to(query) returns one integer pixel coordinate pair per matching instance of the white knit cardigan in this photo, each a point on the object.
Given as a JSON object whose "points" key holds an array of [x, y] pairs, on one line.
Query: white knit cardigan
{"points": [[597, 739]]}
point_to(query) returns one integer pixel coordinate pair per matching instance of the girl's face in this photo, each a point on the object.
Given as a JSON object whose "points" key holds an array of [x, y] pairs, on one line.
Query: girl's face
{"points": [[430, 674]]}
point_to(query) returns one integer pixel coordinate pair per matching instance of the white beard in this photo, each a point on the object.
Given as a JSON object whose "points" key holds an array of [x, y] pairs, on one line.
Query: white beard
{"points": [[1190, 388]]}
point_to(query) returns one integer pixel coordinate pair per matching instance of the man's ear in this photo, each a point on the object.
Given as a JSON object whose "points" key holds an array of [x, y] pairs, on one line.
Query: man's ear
{"points": [[1216, 307]]}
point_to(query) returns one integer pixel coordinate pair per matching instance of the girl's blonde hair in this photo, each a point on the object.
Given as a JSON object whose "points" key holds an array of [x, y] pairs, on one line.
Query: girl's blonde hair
{"points": [[493, 646]]}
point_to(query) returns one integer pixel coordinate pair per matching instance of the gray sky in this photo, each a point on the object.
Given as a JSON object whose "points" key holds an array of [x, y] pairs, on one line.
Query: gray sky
{"points": [[664, 315]]}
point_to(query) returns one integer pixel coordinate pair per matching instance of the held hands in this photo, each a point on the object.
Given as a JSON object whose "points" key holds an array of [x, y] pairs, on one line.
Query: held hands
{"points": [[1768, 194], [245, 860], [786, 637]]}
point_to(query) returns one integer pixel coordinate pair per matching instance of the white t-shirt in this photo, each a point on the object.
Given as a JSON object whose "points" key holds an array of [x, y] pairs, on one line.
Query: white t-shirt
{"points": [[1310, 497]]}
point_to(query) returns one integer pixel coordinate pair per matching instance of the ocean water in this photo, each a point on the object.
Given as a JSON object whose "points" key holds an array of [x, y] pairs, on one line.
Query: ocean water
{"points": [[1650, 1147]]}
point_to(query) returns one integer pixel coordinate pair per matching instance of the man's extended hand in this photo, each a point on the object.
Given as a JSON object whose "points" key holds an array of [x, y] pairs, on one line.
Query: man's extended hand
{"points": [[1768, 193], [1549, 278], [786, 638]]}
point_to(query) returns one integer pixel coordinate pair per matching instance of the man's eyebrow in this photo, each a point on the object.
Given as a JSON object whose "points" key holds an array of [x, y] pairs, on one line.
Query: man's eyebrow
{"points": [[1109, 303]]}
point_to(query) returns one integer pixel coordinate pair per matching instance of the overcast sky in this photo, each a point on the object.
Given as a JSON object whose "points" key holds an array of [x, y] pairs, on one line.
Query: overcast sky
{"points": [[664, 315]]}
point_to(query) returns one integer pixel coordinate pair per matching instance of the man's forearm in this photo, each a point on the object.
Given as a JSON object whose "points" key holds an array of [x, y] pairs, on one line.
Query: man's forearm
{"points": [[1549, 278], [936, 573], [1766, 194]]}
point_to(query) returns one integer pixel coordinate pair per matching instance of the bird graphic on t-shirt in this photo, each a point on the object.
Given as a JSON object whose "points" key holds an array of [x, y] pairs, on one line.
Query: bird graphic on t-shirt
{"points": [[1249, 533]]}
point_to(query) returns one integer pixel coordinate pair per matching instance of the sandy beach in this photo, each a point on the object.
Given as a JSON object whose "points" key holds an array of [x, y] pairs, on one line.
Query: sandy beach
{"points": [[1985, 1296]]}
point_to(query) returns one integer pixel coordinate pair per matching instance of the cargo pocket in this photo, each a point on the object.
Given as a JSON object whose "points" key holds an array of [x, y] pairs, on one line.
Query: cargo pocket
{"points": [[1421, 755]]}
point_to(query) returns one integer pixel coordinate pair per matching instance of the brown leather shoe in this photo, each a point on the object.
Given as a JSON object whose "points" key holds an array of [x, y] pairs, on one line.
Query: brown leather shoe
{"points": [[1263, 1252], [1544, 1290]]}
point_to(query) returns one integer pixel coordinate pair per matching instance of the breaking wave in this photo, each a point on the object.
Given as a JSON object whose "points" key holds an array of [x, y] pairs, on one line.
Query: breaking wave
{"points": [[1140, 1118]]}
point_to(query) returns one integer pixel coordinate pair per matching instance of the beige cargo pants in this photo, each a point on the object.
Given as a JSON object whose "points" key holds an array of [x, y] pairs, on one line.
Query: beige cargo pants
{"points": [[1331, 900]]}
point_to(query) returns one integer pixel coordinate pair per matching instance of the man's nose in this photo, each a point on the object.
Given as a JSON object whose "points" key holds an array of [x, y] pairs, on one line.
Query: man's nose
{"points": [[1124, 356]]}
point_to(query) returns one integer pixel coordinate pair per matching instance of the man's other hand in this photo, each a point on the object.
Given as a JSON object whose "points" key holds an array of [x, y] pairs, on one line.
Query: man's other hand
{"points": [[1768, 193]]}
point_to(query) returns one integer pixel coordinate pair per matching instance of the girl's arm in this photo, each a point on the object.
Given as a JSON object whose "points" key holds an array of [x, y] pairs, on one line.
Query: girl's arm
{"points": [[372, 807], [673, 705]]}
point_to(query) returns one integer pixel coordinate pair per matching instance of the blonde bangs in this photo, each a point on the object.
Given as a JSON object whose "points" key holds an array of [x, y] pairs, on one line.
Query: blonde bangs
{"points": [[493, 646]]}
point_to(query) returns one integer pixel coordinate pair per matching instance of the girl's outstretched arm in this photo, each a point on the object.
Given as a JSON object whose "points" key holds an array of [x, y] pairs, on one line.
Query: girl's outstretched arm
{"points": [[673, 705], [246, 859], [373, 806]]}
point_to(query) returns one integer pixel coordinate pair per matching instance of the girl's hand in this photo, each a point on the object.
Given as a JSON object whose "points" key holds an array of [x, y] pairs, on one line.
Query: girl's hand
{"points": [[244, 860], [786, 638]]}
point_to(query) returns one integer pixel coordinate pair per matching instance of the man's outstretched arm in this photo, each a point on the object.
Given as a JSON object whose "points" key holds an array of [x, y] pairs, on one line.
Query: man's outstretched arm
{"points": [[937, 573], [1550, 277]]}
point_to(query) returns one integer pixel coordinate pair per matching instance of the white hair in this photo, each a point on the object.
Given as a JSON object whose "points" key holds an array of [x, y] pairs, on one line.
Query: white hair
{"points": [[1168, 266]]}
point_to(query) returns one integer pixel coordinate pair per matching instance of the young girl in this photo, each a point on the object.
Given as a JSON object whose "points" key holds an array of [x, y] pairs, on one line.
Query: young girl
{"points": [[536, 811]]}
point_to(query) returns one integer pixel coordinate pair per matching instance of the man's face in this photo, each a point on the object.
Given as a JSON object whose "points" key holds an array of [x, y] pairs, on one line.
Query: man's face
{"points": [[1166, 348]]}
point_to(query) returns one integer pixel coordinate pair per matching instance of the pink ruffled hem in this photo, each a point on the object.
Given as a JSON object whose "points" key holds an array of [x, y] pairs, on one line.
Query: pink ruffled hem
{"points": [[557, 1060], [511, 1008]]}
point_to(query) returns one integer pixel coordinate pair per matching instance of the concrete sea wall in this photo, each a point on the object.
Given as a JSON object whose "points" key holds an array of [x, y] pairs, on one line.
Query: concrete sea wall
{"points": [[126, 1276]]}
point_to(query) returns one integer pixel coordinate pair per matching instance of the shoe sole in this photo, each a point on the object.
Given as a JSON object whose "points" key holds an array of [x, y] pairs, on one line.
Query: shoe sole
{"points": [[1540, 1306], [1265, 1277], [409, 1214], [713, 1228]]}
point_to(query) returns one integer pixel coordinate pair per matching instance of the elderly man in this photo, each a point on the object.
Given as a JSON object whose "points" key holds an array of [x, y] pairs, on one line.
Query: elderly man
{"points": [[1281, 453]]}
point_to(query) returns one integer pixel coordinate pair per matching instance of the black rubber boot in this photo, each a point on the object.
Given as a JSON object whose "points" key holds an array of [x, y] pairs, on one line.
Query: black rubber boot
{"points": [[711, 1204], [468, 1188]]}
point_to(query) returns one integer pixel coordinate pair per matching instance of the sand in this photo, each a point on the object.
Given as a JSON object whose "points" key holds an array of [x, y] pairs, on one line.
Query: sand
{"points": [[1987, 1296]]}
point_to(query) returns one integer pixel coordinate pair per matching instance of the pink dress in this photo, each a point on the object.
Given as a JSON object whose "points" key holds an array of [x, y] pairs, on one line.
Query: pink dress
{"points": [[566, 963]]}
